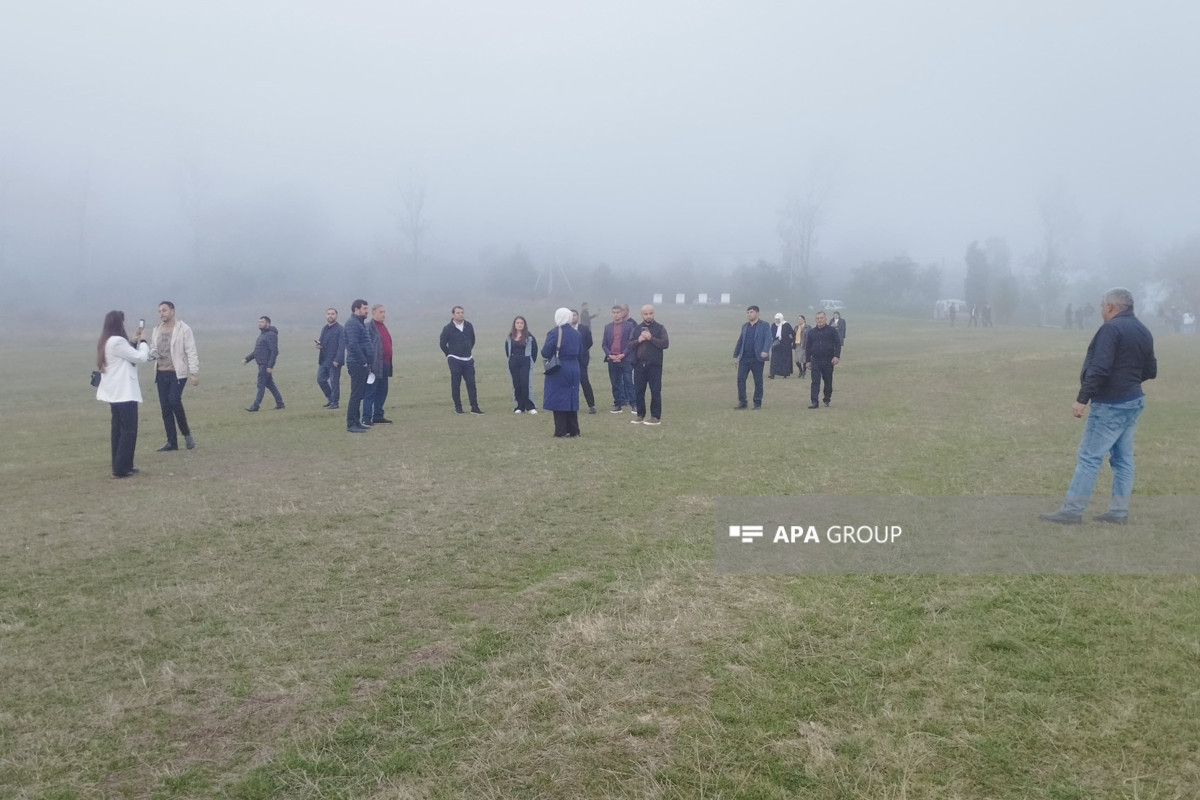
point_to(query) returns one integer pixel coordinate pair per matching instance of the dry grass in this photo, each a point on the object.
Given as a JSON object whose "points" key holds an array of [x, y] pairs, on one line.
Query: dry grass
{"points": [[465, 607]]}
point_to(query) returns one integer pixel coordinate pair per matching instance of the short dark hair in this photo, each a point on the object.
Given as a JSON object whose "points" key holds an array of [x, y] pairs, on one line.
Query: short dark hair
{"points": [[357, 304], [268, 319], [752, 308], [167, 303], [616, 308], [331, 308], [458, 308]]}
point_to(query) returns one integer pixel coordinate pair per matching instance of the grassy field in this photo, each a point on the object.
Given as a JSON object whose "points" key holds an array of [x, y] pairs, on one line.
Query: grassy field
{"points": [[465, 607]]}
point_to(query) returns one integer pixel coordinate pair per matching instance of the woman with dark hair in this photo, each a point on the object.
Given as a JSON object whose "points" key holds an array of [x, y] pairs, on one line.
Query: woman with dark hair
{"points": [[521, 349], [117, 359], [561, 393]]}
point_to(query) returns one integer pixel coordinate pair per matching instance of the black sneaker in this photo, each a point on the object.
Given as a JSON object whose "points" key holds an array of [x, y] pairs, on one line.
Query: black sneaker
{"points": [[1112, 518], [814, 405], [1062, 518], [279, 407], [459, 411], [356, 429], [740, 407], [252, 408], [166, 448], [477, 411], [381, 421]]}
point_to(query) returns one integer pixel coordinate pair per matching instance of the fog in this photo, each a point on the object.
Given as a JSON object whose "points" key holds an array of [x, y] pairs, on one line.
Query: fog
{"points": [[232, 149]]}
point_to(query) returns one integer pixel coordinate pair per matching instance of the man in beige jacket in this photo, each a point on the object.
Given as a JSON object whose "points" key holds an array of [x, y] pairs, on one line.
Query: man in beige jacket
{"points": [[173, 347]]}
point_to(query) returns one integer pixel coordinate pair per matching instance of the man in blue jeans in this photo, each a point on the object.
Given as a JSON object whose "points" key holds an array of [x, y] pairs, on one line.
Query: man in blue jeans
{"points": [[1119, 358]]}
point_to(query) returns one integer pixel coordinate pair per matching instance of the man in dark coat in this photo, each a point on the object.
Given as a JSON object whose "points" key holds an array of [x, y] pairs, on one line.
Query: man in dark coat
{"points": [[752, 350], [1119, 358], [822, 352], [360, 355], [331, 354], [457, 342], [266, 350], [645, 348]]}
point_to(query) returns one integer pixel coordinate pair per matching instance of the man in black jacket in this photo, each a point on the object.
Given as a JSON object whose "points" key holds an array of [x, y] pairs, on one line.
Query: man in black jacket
{"points": [[822, 351], [645, 348], [331, 354], [457, 342], [360, 354], [266, 350], [1119, 358]]}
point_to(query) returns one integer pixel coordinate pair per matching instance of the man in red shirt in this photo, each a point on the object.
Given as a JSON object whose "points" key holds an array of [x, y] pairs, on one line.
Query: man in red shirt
{"points": [[377, 392]]}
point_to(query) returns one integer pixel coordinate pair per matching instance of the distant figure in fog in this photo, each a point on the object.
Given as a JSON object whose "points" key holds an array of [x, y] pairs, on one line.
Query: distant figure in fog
{"points": [[1070, 317], [987, 315], [953, 312], [117, 359], [838, 324]]}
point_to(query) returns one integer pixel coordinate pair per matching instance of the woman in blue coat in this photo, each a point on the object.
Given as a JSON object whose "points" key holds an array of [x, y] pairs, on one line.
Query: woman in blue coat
{"points": [[561, 391]]}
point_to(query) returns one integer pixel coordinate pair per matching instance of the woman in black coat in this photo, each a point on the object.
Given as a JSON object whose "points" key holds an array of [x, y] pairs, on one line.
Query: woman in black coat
{"points": [[783, 336]]}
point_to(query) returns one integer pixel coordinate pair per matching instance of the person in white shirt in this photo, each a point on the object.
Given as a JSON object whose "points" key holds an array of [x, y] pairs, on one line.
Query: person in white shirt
{"points": [[117, 359]]}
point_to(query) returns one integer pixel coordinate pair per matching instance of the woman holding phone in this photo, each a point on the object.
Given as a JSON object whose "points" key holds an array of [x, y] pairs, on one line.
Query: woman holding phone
{"points": [[117, 359]]}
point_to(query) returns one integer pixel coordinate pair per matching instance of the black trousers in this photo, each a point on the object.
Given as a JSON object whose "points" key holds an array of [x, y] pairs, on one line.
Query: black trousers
{"points": [[358, 388], [170, 400], [566, 423], [460, 371], [648, 376], [822, 370], [586, 385], [518, 368], [124, 436]]}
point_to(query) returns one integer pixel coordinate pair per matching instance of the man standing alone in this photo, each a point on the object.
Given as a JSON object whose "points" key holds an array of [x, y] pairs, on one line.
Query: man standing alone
{"points": [[359, 357], [173, 347], [376, 394], [266, 350], [752, 350], [822, 351], [330, 357], [1119, 358], [457, 342], [645, 348]]}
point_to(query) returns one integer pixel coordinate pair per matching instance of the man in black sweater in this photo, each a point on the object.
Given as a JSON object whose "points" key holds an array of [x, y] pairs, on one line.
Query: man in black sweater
{"points": [[1119, 358], [457, 342], [266, 350], [822, 350]]}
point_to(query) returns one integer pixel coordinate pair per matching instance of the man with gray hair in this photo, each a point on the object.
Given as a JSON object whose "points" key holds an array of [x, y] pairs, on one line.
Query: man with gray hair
{"points": [[1119, 358]]}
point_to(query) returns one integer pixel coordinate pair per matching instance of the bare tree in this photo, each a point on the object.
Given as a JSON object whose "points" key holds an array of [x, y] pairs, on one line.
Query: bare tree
{"points": [[800, 219], [411, 219], [1059, 220]]}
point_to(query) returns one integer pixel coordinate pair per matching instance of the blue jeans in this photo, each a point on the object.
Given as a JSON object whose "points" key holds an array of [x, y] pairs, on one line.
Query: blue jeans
{"points": [[375, 396], [266, 382], [329, 378], [1108, 430], [755, 368]]}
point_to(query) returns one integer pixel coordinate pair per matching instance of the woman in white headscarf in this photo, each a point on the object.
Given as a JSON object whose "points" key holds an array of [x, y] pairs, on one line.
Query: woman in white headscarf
{"points": [[783, 336], [561, 391]]}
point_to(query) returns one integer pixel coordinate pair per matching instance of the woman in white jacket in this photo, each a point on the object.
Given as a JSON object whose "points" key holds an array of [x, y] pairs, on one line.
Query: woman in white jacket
{"points": [[117, 359]]}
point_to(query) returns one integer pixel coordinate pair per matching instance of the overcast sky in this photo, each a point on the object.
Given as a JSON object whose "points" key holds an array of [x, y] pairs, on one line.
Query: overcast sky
{"points": [[625, 131]]}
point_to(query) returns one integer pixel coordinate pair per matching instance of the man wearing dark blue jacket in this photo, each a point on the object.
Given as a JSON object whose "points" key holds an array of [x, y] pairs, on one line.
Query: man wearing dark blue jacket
{"points": [[752, 350], [331, 354], [1119, 358], [266, 350], [822, 352], [360, 354]]}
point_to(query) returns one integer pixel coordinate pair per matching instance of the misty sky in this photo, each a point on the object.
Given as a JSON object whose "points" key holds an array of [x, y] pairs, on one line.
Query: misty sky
{"points": [[633, 132]]}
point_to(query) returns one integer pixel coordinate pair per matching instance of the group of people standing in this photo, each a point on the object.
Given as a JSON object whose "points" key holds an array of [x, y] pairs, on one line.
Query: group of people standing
{"points": [[815, 349]]}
